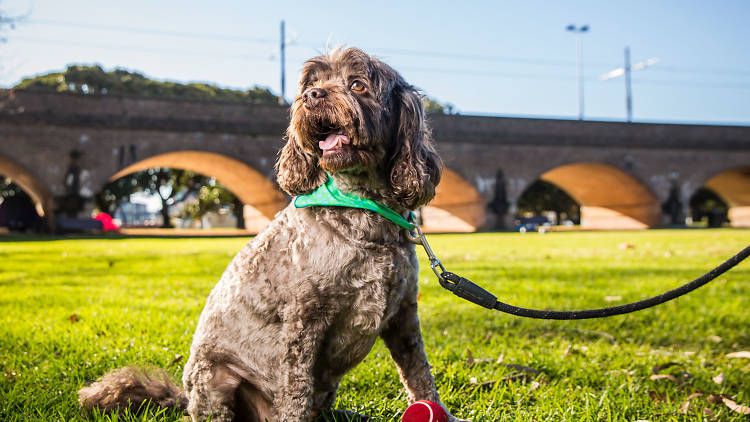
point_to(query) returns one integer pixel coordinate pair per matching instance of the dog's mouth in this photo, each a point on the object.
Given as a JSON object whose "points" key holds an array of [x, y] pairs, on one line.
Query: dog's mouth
{"points": [[335, 142]]}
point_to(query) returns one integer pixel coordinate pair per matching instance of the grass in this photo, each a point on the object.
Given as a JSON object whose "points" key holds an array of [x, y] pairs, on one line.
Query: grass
{"points": [[72, 309]]}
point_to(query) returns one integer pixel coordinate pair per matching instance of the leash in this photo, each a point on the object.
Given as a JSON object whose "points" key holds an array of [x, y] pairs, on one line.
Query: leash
{"points": [[328, 194], [472, 292]]}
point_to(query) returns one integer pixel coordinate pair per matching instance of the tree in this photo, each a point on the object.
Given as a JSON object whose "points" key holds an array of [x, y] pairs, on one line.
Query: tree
{"points": [[705, 203], [169, 184], [543, 196], [17, 211], [211, 198], [8, 188], [163, 182], [93, 80], [203, 194], [115, 193], [432, 105]]}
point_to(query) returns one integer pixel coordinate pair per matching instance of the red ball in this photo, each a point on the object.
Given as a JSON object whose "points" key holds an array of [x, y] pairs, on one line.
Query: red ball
{"points": [[425, 411]]}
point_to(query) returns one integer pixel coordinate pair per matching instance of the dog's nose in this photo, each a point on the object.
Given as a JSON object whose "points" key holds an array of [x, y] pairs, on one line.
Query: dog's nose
{"points": [[314, 95]]}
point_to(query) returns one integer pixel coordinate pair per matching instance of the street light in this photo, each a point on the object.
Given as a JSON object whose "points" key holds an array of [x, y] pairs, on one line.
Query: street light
{"points": [[578, 31], [626, 71], [282, 56]]}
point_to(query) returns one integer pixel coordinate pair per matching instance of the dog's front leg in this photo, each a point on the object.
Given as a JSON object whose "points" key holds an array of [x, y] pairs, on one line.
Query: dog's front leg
{"points": [[302, 333], [404, 340]]}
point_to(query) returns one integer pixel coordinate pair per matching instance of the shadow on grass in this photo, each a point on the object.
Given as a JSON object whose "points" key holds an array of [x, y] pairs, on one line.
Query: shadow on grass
{"points": [[149, 411]]}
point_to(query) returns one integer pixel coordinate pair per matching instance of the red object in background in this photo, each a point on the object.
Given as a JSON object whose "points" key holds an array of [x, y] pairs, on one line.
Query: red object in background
{"points": [[424, 411], [108, 224]]}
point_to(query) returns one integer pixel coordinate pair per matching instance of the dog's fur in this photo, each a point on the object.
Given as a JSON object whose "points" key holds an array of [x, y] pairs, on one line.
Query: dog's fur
{"points": [[304, 301]]}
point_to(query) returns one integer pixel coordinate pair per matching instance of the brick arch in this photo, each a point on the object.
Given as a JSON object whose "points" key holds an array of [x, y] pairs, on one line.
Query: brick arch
{"points": [[42, 197], [250, 186], [457, 207], [609, 197], [733, 186]]}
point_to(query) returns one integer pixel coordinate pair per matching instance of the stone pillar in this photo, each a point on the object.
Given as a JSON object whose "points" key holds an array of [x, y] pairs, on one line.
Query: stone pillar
{"points": [[739, 216], [672, 208], [72, 204]]}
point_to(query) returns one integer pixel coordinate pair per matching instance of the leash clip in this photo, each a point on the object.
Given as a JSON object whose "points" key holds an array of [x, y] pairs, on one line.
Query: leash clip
{"points": [[416, 237], [466, 289], [458, 285]]}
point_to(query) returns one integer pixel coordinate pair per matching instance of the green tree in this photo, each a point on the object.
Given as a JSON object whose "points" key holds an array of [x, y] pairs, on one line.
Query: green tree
{"points": [[432, 105], [94, 80], [170, 185], [17, 210], [8, 188], [543, 196], [212, 197], [705, 203], [203, 194], [115, 193]]}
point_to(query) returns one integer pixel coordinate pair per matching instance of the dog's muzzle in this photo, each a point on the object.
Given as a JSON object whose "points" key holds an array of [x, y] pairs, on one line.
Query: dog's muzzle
{"points": [[313, 96]]}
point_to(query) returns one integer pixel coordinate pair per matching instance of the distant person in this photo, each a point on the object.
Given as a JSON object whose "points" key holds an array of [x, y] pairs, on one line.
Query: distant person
{"points": [[108, 223]]}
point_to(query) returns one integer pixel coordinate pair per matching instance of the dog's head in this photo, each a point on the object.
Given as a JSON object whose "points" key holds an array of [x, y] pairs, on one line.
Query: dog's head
{"points": [[355, 114]]}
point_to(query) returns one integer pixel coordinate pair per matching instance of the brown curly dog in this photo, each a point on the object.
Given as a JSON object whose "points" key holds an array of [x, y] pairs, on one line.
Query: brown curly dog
{"points": [[304, 301]]}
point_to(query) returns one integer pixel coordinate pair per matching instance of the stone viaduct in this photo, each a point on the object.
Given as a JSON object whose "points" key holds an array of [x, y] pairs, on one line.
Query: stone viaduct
{"points": [[620, 173]]}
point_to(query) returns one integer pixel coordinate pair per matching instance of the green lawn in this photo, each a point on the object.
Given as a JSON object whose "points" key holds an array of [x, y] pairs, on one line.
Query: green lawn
{"points": [[72, 309]]}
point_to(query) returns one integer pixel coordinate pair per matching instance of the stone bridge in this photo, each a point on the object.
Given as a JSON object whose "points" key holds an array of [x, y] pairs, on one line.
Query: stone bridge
{"points": [[620, 173]]}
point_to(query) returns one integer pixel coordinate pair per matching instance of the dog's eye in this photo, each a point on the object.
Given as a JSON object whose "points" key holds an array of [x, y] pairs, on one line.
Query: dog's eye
{"points": [[358, 87]]}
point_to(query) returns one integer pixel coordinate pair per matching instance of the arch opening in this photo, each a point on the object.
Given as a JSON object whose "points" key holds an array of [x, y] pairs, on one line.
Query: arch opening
{"points": [[18, 211], [546, 200], [36, 190], [733, 187], [260, 198], [609, 197], [707, 209], [457, 207]]}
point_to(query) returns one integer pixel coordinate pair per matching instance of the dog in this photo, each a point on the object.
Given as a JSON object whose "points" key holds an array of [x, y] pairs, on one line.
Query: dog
{"points": [[304, 301]]}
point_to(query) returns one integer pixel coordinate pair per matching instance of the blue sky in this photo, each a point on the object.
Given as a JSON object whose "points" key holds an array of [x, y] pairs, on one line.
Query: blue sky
{"points": [[498, 58]]}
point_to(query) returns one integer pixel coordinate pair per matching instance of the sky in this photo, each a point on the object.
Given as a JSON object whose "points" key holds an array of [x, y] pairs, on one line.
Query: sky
{"points": [[486, 58]]}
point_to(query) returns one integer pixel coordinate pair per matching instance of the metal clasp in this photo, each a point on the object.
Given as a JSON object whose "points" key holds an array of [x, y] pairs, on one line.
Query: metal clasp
{"points": [[416, 236]]}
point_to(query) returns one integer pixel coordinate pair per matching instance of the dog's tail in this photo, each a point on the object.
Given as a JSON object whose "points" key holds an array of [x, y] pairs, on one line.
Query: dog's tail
{"points": [[121, 388]]}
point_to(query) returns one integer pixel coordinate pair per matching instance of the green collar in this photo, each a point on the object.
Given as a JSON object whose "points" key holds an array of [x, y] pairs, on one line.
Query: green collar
{"points": [[329, 195]]}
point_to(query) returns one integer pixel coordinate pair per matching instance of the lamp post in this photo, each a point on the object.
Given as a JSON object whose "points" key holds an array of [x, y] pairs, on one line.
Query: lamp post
{"points": [[282, 55], [626, 70], [578, 31]]}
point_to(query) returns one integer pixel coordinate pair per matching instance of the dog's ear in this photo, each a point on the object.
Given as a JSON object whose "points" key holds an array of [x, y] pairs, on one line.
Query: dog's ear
{"points": [[297, 171], [415, 167]]}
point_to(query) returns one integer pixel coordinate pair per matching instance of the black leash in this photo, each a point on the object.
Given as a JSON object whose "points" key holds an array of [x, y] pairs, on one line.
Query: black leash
{"points": [[472, 292]]}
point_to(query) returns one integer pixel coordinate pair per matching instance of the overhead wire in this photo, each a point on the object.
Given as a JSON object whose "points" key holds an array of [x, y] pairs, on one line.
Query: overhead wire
{"points": [[433, 70], [141, 49], [149, 31], [393, 51]]}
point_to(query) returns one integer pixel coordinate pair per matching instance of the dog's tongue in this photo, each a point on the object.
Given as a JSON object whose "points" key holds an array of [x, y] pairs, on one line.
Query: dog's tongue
{"points": [[332, 141]]}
